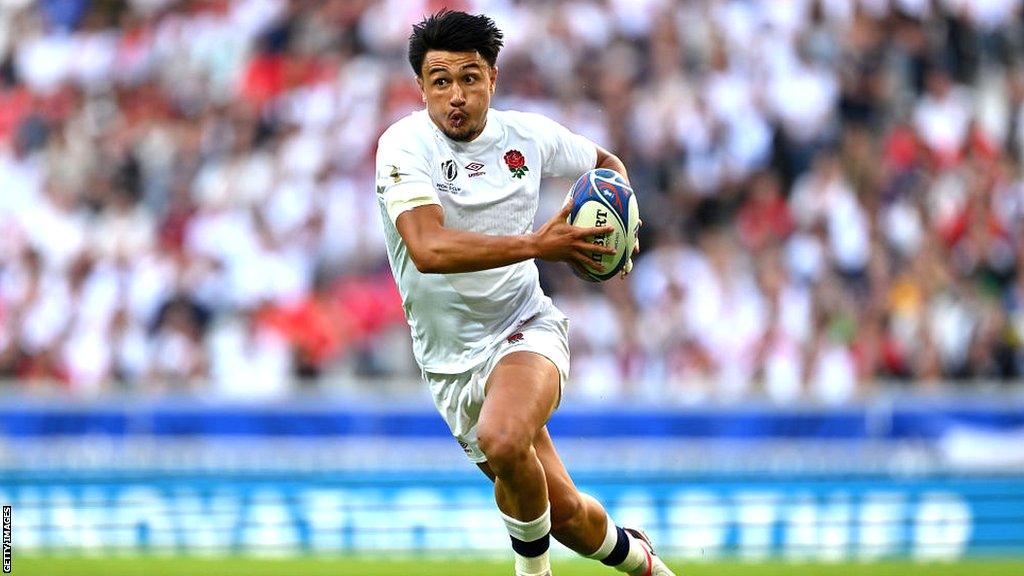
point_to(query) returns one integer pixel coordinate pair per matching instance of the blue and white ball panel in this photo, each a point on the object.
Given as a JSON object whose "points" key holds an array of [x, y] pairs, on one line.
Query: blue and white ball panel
{"points": [[601, 197]]}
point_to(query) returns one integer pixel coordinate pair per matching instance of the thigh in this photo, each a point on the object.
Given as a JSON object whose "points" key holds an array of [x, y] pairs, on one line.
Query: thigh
{"points": [[520, 394]]}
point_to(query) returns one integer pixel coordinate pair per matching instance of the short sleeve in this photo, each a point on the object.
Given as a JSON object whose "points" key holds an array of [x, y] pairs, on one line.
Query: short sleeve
{"points": [[403, 181], [566, 154]]}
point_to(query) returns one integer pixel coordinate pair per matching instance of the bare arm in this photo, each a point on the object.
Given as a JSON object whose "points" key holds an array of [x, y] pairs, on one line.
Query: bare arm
{"points": [[606, 159], [435, 249]]}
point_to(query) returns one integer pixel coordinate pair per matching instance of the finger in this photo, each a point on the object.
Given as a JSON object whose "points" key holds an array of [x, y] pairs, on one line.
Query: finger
{"points": [[583, 259], [597, 231], [636, 248], [589, 247], [564, 212], [626, 269]]}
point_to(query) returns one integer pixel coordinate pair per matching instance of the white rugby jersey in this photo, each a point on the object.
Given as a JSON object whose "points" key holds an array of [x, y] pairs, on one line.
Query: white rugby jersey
{"points": [[489, 185]]}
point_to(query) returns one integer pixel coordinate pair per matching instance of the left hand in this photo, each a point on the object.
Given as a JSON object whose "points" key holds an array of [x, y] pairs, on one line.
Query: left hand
{"points": [[636, 250]]}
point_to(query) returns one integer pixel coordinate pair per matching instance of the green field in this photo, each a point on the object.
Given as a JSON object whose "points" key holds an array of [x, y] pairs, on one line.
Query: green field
{"points": [[37, 566]]}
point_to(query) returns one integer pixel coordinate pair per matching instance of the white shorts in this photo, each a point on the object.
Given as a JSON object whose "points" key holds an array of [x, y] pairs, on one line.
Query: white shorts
{"points": [[459, 397]]}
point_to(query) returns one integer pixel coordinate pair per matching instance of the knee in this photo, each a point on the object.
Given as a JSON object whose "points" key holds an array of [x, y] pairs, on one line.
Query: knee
{"points": [[503, 446], [567, 514]]}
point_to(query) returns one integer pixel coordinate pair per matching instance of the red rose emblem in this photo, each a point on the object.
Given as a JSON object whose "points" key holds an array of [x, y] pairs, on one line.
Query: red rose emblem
{"points": [[515, 159], [516, 163]]}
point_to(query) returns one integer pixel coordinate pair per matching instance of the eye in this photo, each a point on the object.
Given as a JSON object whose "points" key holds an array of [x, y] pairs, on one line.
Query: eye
{"points": [[441, 82], [469, 78]]}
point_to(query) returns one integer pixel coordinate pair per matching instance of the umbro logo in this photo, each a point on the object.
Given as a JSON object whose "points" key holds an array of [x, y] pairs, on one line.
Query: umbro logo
{"points": [[515, 338], [475, 169]]}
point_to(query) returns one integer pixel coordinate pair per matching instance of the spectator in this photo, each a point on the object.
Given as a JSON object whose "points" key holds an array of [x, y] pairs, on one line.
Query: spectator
{"points": [[831, 190]]}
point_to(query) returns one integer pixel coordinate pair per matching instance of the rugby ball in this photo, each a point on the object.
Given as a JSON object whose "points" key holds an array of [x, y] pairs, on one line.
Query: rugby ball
{"points": [[602, 197]]}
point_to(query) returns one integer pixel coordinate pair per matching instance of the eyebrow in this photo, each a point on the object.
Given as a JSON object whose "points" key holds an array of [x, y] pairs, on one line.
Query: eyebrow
{"points": [[463, 67]]}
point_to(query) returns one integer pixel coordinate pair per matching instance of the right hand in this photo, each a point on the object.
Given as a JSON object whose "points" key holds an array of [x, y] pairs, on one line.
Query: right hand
{"points": [[559, 241]]}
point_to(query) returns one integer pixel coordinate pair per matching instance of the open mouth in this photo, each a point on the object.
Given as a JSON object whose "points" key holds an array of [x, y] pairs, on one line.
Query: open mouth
{"points": [[457, 119]]}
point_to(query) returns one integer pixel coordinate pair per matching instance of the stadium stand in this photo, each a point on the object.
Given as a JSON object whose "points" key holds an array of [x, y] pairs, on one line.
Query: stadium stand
{"points": [[832, 191], [821, 345]]}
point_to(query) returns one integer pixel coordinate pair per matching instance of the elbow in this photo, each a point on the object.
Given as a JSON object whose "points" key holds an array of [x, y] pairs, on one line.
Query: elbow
{"points": [[427, 267], [609, 161], [427, 262]]}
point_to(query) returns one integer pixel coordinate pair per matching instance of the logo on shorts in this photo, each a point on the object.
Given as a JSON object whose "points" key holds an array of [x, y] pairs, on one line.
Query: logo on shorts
{"points": [[465, 446], [515, 338]]}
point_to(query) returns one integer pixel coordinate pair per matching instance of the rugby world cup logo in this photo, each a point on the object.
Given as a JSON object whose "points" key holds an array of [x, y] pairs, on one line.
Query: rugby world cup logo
{"points": [[450, 170]]}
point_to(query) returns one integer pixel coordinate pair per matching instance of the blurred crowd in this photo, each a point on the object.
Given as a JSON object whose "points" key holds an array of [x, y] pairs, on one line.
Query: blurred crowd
{"points": [[831, 190]]}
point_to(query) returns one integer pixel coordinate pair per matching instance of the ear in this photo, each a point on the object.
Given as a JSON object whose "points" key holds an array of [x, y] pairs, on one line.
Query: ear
{"points": [[423, 94], [494, 78]]}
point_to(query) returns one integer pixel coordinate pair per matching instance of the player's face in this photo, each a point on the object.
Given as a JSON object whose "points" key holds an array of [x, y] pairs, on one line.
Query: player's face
{"points": [[457, 87]]}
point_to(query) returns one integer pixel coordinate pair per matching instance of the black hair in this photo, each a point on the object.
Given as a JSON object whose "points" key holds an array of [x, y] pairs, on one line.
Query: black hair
{"points": [[456, 32]]}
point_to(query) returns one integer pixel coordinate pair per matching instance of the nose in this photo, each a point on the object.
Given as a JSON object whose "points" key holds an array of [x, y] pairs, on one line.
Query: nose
{"points": [[458, 97]]}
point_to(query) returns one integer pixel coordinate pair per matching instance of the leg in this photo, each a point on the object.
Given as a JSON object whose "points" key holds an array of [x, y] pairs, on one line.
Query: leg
{"points": [[577, 520], [521, 394], [581, 523]]}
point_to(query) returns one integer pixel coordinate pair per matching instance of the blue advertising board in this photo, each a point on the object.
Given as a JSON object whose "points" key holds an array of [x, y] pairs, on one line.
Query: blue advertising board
{"points": [[911, 421], [692, 517], [824, 503]]}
